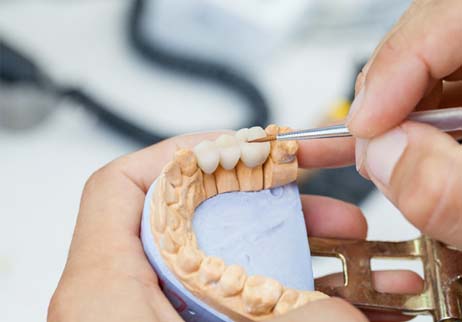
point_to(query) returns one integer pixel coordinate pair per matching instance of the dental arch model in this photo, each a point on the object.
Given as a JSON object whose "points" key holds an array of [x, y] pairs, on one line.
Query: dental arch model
{"points": [[227, 164]]}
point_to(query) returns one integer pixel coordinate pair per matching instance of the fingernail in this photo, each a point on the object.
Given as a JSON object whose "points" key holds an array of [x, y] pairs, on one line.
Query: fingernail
{"points": [[360, 152], [356, 105], [383, 153]]}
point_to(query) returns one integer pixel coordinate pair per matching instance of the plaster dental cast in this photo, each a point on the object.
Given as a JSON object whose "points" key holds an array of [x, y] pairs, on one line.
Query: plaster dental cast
{"points": [[228, 164], [108, 276]]}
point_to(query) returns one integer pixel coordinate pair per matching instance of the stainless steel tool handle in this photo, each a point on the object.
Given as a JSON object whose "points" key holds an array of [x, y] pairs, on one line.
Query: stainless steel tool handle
{"points": [[447, 119]]}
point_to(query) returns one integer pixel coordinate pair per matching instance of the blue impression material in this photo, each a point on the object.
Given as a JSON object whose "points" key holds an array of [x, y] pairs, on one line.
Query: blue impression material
{"points": [[262, 231]]}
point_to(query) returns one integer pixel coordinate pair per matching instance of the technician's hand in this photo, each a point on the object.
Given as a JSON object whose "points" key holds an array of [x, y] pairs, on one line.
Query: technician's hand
{"points": [[418, 65], [108, 278]]}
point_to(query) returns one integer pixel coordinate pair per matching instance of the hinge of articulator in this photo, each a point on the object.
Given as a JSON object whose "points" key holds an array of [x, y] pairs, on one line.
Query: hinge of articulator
{"points": [[442, 293]]}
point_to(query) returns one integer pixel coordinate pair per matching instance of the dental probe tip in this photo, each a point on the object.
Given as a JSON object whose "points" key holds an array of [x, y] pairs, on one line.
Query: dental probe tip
{"points": [[265, 139]]}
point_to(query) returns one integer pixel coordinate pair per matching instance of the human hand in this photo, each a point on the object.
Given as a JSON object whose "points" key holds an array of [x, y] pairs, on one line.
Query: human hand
{"points": [[418, 65], [108, 278]]}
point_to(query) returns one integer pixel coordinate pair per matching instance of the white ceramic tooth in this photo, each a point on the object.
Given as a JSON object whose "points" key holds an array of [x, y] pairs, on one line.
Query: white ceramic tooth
{"points": [[230, 152], [241, 134], [253, 154], [207, 156], [255, 132]]}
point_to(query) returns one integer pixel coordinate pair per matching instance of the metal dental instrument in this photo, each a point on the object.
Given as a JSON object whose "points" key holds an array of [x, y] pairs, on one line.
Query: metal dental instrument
{"points": [[446, 120]]}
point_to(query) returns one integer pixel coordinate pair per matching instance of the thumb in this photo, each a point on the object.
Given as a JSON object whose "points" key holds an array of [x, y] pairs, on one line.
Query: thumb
{"points": [[420, 170], [329, 310]]}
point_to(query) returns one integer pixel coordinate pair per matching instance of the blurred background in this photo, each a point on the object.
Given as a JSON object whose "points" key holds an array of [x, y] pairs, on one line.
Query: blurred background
{"points": [[83, 82]]}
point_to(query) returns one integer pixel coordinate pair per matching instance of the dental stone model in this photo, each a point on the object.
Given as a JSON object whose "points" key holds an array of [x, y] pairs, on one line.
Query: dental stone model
{"points": [[227, 164]]}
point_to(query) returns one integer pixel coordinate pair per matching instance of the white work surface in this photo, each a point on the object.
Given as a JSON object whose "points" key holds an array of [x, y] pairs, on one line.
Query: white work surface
{"points": [[43, 170]]}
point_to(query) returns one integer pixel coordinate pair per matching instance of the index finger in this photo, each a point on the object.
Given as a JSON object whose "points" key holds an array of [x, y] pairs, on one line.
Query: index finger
{"points": [[424, 48], [326, 153]]}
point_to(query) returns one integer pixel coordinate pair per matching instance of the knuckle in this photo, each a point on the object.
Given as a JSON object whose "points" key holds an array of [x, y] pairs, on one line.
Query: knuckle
{"points": [[396, 43]]}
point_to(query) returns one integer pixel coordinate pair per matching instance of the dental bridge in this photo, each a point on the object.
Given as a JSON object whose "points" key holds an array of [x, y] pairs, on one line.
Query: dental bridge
{"points": [[231, 163]]}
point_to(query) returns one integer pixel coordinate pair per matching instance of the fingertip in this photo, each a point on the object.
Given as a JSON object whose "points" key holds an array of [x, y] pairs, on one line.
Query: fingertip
{"points": [[357, 223], [383, 281], [360, 156], [397, 282], [326, 153], [395, 83]]}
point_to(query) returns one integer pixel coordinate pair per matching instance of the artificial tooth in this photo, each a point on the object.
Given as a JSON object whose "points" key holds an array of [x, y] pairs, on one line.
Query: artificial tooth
{"points": [[177, 236], [189, 259], [272, 129], [211, 269], [282, 151], [242, 134], [230, 152], [187, 162], [287, 301], [305, 297], [173, 173], [168, 244], [255, 132], [261, 294], [232, 281], [253, 154], [207, 156]]}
